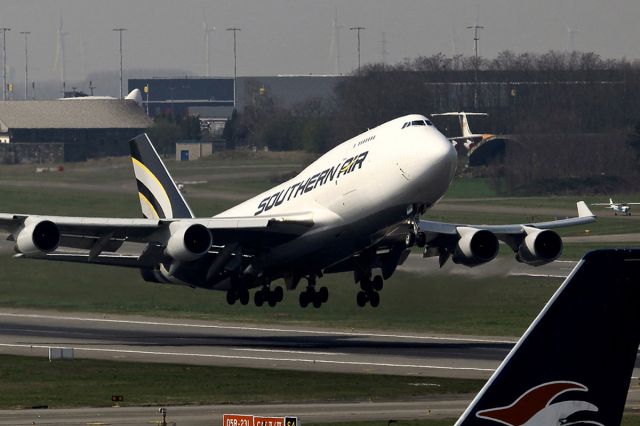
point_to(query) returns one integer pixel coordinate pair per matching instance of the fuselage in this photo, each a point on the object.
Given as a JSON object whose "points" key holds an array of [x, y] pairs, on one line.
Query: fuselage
{"points": [[357, 191]]}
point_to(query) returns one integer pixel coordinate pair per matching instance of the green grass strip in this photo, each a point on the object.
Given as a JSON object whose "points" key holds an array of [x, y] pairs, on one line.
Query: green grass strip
{"points": [[27, 382]]}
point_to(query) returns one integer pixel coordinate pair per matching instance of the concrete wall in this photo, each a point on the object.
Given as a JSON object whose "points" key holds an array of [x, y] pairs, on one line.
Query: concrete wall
{"points": [[195, 150]]}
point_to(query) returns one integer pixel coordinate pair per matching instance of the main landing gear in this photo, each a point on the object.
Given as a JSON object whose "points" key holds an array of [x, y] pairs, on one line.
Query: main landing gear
{"points": [[272, 297], [235, 294], [311, 296], [369, 291]]}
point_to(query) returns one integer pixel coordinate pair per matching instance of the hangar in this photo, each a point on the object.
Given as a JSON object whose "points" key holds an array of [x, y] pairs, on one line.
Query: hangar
{"points": [[68, 130]]}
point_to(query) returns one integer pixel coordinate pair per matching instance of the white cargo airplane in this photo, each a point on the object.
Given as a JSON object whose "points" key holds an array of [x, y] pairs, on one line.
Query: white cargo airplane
{"points": [[357, 208], [624, 208]]}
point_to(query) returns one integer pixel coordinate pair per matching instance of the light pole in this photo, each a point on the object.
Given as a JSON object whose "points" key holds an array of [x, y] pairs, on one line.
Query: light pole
{"points": [[235, 61], [4, 62], [120, 30], [475, 29], [358, 29], [26, 63]]}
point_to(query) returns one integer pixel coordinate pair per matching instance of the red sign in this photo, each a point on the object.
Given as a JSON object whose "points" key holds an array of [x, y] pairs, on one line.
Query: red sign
{"points": [[268, 421], [237, 420], [247, 420]]}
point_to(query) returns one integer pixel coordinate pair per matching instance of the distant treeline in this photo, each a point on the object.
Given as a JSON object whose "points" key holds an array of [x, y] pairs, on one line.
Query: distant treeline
{"points": [[526, 94]]}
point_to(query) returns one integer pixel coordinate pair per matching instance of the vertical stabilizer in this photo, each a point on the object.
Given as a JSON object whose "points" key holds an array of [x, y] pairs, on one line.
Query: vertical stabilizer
{"points": [[574, 363], [464, 124], [159, 196]]}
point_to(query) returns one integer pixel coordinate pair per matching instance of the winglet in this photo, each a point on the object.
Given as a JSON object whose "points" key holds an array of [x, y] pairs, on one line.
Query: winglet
{"points": [[583, 210]]}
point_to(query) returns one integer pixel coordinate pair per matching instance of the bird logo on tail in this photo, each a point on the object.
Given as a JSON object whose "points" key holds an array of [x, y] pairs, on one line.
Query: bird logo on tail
{"points": [[536, 407]]}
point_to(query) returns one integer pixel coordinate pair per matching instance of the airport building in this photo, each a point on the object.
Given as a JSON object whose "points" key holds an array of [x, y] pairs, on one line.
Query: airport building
{"points": [[68, 130], [214, 98]]}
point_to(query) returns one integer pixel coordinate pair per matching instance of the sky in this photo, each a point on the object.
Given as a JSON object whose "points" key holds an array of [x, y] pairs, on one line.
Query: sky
{"points": [[297, 36]]}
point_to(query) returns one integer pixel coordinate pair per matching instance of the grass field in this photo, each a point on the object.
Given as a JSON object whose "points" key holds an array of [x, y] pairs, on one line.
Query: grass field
{"points": [[27, 382], [490, 305], [438, 302], [434, 302]]}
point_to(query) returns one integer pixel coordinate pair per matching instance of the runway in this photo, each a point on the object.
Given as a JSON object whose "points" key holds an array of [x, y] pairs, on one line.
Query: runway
{"points": [[212, 414], [240, 345], [145, 339]]}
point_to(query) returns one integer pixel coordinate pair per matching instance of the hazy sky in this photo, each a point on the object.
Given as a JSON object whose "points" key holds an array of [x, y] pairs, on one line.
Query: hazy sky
{"points": [[296, 36]]}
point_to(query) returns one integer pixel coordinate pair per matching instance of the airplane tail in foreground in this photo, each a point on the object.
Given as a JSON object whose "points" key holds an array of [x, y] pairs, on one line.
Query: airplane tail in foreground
{"points": [[574, 363], [159, 196]]}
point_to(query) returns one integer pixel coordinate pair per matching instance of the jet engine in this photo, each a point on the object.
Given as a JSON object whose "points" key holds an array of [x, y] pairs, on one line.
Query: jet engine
{"points": [[37, 236], [188, 241], [161, 275], [540, 246], [475, 246]]}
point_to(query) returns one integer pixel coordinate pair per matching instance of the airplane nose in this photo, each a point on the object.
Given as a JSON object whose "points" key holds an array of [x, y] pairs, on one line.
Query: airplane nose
{"points": [[431, 155]]}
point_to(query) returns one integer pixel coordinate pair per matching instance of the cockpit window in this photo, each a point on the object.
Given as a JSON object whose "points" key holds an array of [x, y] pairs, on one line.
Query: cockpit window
{"points": [[417, 123]]}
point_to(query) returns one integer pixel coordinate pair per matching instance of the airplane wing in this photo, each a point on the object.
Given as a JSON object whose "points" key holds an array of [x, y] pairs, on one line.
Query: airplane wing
{"points": [[472, 245], [95, 240]]}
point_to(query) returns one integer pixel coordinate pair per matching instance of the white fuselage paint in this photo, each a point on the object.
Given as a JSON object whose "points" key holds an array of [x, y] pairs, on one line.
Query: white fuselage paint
{"points": [[377, 176]]}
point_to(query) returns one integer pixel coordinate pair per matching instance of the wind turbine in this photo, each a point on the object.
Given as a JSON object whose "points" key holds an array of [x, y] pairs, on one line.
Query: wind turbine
{"points": [[335, 42], [206, 30], [60, 58], [571, 40]]}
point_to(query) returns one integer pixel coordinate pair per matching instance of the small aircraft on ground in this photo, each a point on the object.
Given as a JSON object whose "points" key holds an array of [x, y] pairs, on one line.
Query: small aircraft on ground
{"points": [[624, 208], [355, 209]]}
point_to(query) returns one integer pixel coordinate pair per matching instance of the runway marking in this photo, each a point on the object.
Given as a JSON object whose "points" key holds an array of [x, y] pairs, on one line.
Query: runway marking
{"points": [[287, 351], [526, 274], [256, 358], [262, 329]]}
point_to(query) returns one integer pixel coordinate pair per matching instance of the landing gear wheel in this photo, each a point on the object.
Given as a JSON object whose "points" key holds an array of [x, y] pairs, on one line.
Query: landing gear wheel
{"points": [[374, 299], [365, 284], [272, 299], [258, 298], [278, 293], [317, 301], [231, 297], [421, 239], [244, 296], [323, 294], [361, 299], [304, 299], [377, 283], [410, 239]]}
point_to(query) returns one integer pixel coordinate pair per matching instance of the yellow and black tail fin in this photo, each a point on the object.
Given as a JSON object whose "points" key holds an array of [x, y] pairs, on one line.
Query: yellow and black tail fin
{"points": [[159, 196]]}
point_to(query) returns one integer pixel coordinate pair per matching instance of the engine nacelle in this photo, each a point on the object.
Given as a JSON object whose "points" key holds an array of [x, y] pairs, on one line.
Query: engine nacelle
{"points": [[188, 241], [161, 275], [540, 246], [37, 236], [154, 276], [475, 246]]}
